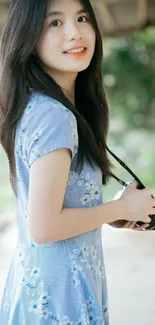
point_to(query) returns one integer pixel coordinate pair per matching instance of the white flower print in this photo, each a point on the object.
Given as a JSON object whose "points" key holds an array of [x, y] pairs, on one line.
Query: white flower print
{"points": [[100, 269], [81, 254], [85, 199], [90, 303], [7, 301], [72, 177], [105, 310], [29, 279], [35, 151], [75, 269], [32, 288], [90, 185], [45, 313], [65, 321], [92, 189], [73, 123], [92, 192], [76, 280], [6, 306], [19, 149], [74, 131], [78, 322], [91, 318], [84, 315], [36, 137], [94, 252], [85, 249], [35, 272], [44, 298], [20, 256], [34, 306]]}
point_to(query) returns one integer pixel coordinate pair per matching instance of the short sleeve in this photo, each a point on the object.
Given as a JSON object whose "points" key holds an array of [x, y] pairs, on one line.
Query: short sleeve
{"points": [[51, 126]]}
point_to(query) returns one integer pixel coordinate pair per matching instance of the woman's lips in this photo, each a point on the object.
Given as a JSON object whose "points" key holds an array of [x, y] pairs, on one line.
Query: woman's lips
{"points": [[77, 54]]}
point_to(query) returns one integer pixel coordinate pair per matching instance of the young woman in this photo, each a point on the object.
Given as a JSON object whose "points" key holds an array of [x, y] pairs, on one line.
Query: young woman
{"points": [[54, 123]]}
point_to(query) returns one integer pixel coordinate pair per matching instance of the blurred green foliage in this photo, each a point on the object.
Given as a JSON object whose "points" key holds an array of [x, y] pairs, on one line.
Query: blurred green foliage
{"points": [[129, 79]]}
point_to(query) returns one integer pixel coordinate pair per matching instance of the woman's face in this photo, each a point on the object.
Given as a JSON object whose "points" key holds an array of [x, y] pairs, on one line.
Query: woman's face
{"points": [[65, 30]]}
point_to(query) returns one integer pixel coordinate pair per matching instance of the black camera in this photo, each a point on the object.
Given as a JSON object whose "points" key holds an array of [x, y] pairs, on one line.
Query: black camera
{"points": [[152, 223]]}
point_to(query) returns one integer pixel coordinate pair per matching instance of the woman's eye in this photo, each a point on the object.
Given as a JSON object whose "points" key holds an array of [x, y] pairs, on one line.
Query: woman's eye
{"points": [[54, 23], [83, 17]]}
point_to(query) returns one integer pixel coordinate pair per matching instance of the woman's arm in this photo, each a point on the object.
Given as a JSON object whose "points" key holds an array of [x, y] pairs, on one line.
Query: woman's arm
{"points": [[47, 220], [121, 224]]}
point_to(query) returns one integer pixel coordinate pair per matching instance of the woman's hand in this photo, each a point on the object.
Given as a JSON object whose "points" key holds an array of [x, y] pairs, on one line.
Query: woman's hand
{"points": [[138, 204], [128, 224]]}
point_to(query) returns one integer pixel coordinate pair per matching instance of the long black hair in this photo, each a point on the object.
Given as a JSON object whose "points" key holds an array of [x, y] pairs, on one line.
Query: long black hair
{"points": [[22, 71]]}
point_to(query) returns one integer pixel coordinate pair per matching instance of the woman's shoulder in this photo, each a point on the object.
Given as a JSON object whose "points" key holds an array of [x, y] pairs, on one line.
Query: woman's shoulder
{"points": [[39, 104], [48, 125]]}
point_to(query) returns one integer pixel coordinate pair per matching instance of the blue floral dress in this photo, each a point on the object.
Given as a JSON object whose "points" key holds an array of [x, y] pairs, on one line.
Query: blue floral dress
{"points": [[63, 282]]}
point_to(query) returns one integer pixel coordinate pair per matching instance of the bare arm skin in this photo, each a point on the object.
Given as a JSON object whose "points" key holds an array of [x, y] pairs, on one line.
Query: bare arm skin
{"points": [[49, 222]]}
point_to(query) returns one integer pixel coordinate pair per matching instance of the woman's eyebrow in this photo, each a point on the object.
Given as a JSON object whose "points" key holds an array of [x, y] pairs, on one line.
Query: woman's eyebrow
{"points": [[56, 13]]}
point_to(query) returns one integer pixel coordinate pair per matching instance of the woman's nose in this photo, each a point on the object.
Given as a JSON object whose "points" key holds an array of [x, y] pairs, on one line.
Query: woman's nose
{"points": [[73, 31]]}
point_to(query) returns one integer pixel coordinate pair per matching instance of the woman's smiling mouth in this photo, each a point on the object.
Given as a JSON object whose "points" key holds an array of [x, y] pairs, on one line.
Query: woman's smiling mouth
{"points": [[77, 52]]}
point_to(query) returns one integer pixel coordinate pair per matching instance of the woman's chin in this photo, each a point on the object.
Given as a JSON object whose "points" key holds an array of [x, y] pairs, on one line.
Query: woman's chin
{"points": [[79, 67]]}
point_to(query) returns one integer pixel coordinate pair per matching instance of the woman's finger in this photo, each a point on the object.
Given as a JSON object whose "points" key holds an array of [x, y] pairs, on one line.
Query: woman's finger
{"points": [[132, 224], [126, 225], [129, 224], [142, 227]]}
